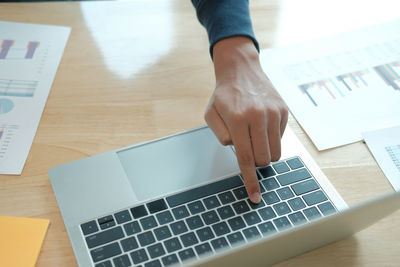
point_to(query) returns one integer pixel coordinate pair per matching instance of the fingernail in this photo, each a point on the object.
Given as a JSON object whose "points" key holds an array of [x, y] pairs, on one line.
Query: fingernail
{"points": [[255, 197]]}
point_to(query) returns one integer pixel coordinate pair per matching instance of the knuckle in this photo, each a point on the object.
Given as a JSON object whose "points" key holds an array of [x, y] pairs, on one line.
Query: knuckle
{"points": [[276, 155], [225, 140], [245, 159]]}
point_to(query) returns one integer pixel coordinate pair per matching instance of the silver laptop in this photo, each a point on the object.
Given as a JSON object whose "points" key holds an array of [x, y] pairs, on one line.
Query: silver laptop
{"points": [[180, 200]]}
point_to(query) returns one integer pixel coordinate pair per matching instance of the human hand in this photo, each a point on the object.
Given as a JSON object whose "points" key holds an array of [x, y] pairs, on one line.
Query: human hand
{"points": [[245, 110]]}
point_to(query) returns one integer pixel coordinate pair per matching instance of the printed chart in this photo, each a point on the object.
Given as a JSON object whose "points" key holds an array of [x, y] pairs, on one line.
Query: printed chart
{"points": [[341, 86], [16, 50], [17, 88], [330, 89], [394, 154], [29, 58], [384, 144]]}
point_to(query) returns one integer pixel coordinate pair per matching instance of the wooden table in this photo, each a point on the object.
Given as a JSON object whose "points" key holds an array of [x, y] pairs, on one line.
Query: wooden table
{"points": [[135, 71]]}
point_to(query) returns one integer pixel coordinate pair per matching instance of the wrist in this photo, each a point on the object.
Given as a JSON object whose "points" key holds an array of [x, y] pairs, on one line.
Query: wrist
{"points": [[233, 54]]}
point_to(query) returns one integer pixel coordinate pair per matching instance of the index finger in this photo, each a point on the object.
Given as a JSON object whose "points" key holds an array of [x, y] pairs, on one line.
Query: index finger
{"points": [[244, 153]]}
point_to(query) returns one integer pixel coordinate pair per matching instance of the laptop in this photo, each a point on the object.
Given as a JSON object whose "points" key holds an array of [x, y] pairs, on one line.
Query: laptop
{"points": [[180, 200]]}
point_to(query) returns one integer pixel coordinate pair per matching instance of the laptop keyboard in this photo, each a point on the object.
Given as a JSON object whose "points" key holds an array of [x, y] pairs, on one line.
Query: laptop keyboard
{"points": [[199, 221]]}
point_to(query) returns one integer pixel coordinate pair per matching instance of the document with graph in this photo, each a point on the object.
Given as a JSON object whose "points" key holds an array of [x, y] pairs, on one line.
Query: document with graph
{"points": [[384, 144], [29, 58], [341, 86]]}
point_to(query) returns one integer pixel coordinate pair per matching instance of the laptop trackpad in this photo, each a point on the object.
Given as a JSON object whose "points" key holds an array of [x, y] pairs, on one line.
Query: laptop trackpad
{"points": [[177, 162]]}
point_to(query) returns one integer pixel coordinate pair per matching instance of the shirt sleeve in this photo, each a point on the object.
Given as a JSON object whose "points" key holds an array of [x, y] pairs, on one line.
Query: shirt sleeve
{"points": [[225, 18]]}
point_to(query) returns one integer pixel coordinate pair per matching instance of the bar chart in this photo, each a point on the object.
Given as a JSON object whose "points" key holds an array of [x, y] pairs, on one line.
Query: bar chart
{"points": [[12, 49], [19, 88], [330, 89]]}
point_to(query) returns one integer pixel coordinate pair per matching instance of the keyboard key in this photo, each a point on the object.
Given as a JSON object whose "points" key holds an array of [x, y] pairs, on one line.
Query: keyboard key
{"points": [[296, 204], [211, 202], [148, 222], [327, 208], [221, 228], [219, 243], [297, 218], [312, 213], [104, 264], [282, 223], [294, 163], [89, 227], [267, 213], [255, 205], [172, 244], [203, 191], [285, 193], [146, 238], [210, 217], [266, 228], [270, 197], [203, 248], [186, 254], [282, 208], [235, 238], [106, 222], [180, 212], [162, 233], [240, 192], [129, 244], [315, 197], [267, 171], [178, 227], [205, 234], [226, 197], [132, 228], [122, 261], [164, 217], [105, 252], [189, 239], [236, 223], [170, 260], [104, 237], [251, 218], [292, 177], [139, 211], [270, 184], [157, 205], [139, 256], [281, 167], [123, 216], [225, 212], [305, 187], [251, 233], [155, 250], [155, 263], [240, 207], [194, 222], [196, 207]]}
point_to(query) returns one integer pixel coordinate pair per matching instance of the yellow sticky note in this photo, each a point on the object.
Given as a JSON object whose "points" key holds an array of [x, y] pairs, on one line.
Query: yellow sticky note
{"points": [[21, 240]]}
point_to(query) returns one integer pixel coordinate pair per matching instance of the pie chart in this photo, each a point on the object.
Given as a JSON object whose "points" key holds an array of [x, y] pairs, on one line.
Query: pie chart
{"points": [[6, 105]]}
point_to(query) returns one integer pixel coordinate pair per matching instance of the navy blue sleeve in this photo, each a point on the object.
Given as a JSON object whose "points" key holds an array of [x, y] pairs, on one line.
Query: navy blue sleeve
{"points": [[225, 18]]}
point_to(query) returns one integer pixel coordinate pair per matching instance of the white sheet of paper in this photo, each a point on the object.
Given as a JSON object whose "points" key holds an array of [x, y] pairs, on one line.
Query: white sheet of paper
{"points": [[385, 146], [29, 58], [341, 86]]}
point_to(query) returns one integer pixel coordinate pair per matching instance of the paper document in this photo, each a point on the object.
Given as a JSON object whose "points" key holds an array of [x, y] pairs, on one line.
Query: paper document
{"points": [[341, 86], [29, 57], [385, 146], [21, 240]]}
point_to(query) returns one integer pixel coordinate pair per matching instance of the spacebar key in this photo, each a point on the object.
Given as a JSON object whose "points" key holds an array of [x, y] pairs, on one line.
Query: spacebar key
{"points": [[203, 191]]}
